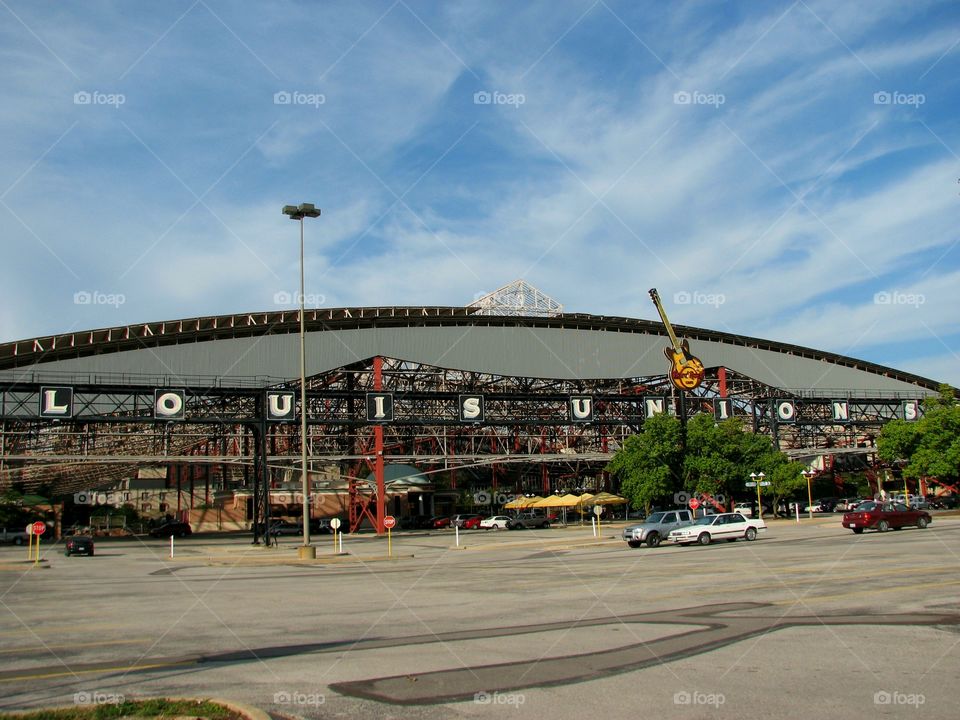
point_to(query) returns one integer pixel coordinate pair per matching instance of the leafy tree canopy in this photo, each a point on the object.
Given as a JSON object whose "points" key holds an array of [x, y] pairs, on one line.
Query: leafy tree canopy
{"points": [[930, 446]]}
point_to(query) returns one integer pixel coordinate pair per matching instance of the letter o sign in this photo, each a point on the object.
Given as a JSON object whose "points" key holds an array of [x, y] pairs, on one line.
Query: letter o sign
{"points": [[786, 411], [169, 404]]}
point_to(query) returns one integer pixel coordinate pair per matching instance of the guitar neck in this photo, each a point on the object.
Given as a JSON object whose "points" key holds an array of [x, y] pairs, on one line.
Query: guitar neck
{"points": [[666, 323]]}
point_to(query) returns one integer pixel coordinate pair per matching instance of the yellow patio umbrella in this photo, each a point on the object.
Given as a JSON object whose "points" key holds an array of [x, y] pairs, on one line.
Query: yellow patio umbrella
{"points": [[522, 502], [547, 502], [606, 498]]}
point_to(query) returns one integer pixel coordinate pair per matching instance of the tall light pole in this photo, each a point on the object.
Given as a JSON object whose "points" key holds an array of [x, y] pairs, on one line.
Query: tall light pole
{"points": [[299, 212], [808, 474]]}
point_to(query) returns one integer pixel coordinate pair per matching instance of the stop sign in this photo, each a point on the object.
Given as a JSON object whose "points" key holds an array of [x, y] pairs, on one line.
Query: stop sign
{"points": [[389, 522], [38, 528], [694, 503]]}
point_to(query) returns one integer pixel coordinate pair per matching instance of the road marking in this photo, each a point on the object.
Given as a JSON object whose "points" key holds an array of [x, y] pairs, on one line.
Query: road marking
{"points": [[118, 668], [74, 645]]}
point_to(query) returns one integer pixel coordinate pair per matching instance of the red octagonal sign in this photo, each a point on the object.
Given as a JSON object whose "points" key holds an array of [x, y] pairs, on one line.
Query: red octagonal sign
{"points": [[389, 522], [39, 528], [694, 503]]}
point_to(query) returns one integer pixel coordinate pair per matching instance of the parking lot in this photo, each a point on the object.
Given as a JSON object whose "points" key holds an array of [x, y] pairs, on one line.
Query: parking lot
{"points": [[537, 623]]}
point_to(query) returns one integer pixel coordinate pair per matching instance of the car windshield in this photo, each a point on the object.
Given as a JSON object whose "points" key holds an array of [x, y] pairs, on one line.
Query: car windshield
{"points": [[656, 517], [705, 520], [867, 506]]}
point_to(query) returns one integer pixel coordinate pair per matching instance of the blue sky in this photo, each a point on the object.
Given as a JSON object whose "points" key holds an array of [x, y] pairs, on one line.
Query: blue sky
{"points": [[786, 170]]}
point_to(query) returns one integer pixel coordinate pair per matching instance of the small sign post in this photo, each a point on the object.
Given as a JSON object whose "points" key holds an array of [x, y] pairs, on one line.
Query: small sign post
{"points": [[335, 524], [389, 522]]}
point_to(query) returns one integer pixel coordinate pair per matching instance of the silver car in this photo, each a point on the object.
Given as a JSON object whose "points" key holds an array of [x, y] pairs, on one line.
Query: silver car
{"points": [[656, 527]]}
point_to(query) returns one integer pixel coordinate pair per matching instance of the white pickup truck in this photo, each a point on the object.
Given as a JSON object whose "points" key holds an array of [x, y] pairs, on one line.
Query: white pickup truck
{"points": [[10, 535], [725, 526]]}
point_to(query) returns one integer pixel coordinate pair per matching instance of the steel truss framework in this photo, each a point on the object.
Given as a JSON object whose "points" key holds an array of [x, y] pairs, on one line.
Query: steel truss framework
{"points": [[526, 441]]}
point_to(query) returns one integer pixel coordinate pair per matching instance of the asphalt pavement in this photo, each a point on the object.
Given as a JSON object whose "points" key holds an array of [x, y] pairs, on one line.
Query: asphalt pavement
{"points": [[808, 620]]}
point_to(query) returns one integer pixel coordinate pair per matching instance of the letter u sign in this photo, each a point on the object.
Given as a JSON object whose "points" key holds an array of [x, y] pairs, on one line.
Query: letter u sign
{"points": [[581, 409]]}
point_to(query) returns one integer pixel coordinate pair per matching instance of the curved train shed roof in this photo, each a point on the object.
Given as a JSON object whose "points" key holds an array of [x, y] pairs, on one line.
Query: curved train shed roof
{"points": [[569, 346]]}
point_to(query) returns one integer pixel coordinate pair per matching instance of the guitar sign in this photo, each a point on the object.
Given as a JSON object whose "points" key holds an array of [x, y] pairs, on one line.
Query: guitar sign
{"points": [[686, 370]]}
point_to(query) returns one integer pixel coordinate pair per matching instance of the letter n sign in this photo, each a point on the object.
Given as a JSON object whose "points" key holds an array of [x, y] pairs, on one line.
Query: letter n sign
{"points": [[169, 404], [471, 408], [786, 411], [56, 402], [281, 406], [722, 408], [581, 408], [379, 407]]}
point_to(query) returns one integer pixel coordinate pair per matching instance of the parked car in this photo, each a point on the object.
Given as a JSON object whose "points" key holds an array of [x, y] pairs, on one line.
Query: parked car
{"points": [[528, 520], [495, 522], [656, 528], [943, 502], [461, 520], [884, 515], [438, 521], [472, 522], [744, 508], [177, 529], [321, 526], [725, 526], [414, 522], [78, 545], [12, 535]]}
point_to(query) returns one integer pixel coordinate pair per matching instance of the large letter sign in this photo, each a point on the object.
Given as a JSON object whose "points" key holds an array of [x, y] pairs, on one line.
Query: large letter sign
{"points": [[653, 406], [722, 408], [841, 410], [169, 404], [471, 408], [280, 405], [379, 407], [581, 408], [911, 410], [56, 402], [786, 411]]}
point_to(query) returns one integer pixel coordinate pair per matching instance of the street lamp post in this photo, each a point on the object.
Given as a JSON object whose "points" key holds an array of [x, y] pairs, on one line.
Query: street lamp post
{"points": [[299, 212], [808, 474], [757, 478]]}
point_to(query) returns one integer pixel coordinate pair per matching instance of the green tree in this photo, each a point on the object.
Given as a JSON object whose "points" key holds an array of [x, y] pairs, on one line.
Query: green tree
{"points": [[930, 446], [784, 476], [721, 456], [648, 462]]}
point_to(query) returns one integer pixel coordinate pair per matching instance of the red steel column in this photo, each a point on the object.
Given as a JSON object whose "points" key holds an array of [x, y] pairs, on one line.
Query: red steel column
{"points": [[378, 448], [722, 375]]}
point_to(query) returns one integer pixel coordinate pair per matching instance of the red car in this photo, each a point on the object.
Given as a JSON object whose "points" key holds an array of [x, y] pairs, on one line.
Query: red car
{"points": [[883, 516], [472, 522], [438, 521]]}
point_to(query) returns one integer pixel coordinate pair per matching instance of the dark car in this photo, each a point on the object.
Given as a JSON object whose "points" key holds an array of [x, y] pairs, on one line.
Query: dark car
{"points": [[414, 522], [176, 529], [319, 526], [884, 516], [528, 520], [78, 545]]}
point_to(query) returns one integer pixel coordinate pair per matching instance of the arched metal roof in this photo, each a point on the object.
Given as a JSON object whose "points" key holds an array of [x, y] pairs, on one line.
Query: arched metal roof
{"points": [[263, 347]]}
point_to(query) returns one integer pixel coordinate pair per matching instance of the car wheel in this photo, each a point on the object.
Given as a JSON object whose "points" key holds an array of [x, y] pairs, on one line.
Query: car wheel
{"points": [[18, 540], [653, 539], [750, 534], [857, 531], [67, 553], [883, 526], [634, 543], [921, 523], [704, 539]]}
